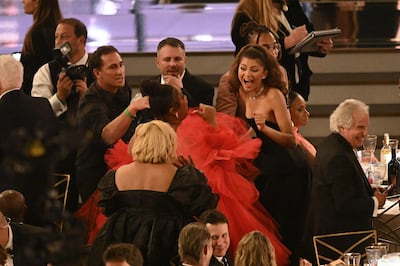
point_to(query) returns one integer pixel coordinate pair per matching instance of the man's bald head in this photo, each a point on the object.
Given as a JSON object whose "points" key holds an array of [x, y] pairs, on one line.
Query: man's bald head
{"points": [[12, 205]]}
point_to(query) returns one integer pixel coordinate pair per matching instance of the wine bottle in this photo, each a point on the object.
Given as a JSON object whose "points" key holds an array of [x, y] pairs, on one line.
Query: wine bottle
{"points": [[394, 172], [385, 155]]}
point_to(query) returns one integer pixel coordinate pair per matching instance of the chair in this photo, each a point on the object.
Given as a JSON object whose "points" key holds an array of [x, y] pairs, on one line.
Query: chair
{"points": [[331, 247], [61, 186], [387, 223]]}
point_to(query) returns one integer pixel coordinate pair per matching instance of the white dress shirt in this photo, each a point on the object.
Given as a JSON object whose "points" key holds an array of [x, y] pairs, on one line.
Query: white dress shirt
{"points": [[9, 261], [43, 87]]}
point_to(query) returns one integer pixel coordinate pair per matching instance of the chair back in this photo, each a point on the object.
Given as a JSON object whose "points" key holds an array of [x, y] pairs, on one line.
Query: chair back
{"points": [[331, 247], [61, 185], [387, 222]]}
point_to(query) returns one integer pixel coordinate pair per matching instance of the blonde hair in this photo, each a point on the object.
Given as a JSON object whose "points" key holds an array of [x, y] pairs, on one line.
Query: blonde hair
{"points": [[259, 11], [342, 116], [11, 73], [154, 142], [255, 249]]}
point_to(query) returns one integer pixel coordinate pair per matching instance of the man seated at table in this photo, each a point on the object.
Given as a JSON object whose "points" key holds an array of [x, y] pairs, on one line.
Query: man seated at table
{"points": [[342, 199], [217, 224]]}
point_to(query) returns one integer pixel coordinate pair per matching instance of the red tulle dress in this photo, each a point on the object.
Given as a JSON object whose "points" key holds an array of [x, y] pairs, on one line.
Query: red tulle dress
{"points": [[224, 154]]}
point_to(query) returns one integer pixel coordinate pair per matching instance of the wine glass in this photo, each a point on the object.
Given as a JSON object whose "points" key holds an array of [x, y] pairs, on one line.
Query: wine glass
{"points": [[369, 143], [374, 253], [365, 158]]}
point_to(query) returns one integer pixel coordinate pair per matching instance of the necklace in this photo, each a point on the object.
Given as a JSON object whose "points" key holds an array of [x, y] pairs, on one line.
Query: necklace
{"points": [[257, 94]]}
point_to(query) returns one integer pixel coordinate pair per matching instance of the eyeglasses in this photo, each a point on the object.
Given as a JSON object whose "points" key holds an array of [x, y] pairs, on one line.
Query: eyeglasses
{"points": [[8, 221], [275, 46]]}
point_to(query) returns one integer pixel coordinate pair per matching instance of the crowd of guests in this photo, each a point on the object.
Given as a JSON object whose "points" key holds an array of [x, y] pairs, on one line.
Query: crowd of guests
{"points": [[163, 177]]}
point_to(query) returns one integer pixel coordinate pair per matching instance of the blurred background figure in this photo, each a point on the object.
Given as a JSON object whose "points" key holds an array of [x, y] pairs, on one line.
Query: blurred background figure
{"points": [[12, 205], [38, 43], [28, 150], [255, 249], [300, 116], [8, 7], [122, 254]]}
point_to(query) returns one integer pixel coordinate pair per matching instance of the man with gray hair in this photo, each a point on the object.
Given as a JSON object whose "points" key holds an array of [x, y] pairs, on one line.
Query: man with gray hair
{"points": [[194, 245], [342, 199], [26, 125]]}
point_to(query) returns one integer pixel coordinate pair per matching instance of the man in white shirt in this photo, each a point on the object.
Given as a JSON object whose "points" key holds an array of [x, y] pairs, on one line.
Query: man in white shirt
{"points": [[55, 82], [73, 32]]}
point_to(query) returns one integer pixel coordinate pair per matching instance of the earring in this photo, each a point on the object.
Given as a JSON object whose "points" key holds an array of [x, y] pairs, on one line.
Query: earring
{"points": [[177, 115]]}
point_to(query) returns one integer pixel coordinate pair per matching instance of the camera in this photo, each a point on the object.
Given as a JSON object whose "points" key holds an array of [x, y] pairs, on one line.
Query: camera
{"points": [[61, 55]]}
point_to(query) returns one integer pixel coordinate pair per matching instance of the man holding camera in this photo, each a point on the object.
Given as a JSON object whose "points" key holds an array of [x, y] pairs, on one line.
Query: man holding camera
{"points": [[53, 80], [63, 81]]}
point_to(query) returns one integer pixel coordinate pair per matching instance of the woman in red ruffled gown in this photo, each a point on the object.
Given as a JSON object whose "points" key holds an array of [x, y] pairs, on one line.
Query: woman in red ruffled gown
{"points": [[220, 147]]}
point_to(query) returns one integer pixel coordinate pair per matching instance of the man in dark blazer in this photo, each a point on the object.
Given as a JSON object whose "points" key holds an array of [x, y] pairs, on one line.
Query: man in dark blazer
{"points": [[218, 227], [24, 244], [342, 199], [171, 61], [28, 130]]}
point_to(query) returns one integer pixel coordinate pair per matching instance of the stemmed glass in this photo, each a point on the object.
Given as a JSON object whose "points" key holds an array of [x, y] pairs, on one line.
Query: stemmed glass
{"points": [[365, 158], [369, 143], [374, 253]]}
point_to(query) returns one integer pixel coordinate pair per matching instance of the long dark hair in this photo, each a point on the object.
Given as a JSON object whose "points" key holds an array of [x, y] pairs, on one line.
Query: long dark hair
{"points": [[48, 14]]}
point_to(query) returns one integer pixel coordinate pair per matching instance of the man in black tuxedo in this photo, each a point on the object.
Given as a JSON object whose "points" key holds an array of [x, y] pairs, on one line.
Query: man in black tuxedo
{"points": [[218, 227], [28, 130], [32, 245], [171, 61], [342, 198]]}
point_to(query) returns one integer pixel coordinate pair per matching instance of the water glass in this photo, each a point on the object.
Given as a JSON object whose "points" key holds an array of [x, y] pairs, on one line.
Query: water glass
{"points": [[374, 253], [369, 143], [352, 259], [378, 173]]}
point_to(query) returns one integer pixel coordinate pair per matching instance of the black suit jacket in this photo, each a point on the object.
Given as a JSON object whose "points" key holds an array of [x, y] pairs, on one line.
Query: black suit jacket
{"points": [[215, 262], [341, 198], [23, 120], [29, 245], [196, 89]]}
